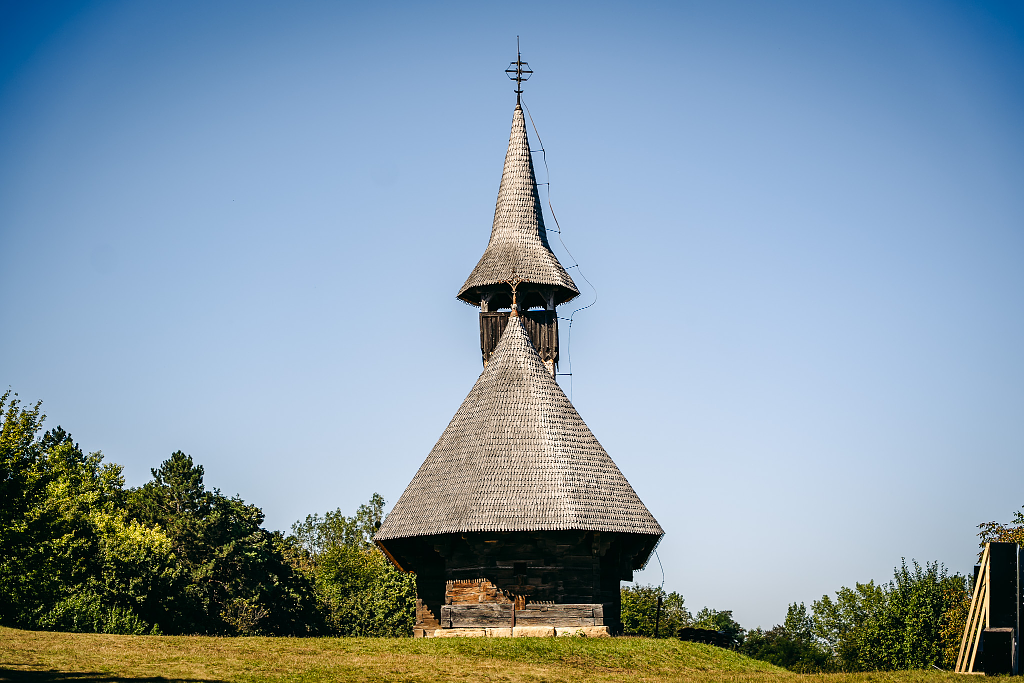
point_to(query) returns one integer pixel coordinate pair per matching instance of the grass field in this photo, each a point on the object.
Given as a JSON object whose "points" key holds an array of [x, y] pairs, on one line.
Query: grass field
{"points": [[78, 657]]}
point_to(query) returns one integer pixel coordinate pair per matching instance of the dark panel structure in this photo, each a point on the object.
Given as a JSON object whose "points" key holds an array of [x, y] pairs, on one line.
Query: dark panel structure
{"points": [[1000, 638], [1004, 600], [999, 657], [991, 639], [1020, 603]]}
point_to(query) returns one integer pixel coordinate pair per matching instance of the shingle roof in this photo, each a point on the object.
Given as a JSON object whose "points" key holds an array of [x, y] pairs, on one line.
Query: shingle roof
{"points": [[517, 457], [518, 249]]}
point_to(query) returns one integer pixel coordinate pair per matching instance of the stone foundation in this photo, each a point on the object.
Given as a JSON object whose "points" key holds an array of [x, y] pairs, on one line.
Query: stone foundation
{"points": [[522, 632]]}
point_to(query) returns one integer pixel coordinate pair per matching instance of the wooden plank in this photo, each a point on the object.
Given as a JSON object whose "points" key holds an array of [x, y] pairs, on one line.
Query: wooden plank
{"points": [[478, 608], [977, 639], [425, 619], [974, 610], [983, 617], [571, 612], [467, 616], [482, 622], [554, 619]]}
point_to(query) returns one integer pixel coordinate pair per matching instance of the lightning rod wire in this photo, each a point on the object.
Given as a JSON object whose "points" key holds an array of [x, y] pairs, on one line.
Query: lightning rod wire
{"points": [[576, 264]]}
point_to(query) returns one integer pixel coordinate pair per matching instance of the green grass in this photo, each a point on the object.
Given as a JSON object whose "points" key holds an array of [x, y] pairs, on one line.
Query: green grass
{"points": [[79, 657]]}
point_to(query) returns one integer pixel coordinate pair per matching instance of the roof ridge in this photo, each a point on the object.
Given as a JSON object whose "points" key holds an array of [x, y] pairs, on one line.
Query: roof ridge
{"points": [[518, 247]]}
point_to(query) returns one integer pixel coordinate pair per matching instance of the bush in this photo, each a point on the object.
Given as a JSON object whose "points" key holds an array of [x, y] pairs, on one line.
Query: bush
{"points": [[357, 588], [721, 621], [79, 614], [85, 613], [78, 552], [640, 610], [791, 645], [232, 575], [903, 624]]}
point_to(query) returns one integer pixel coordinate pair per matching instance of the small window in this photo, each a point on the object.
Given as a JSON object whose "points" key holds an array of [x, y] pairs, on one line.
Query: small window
{"points": [[519, 568]]}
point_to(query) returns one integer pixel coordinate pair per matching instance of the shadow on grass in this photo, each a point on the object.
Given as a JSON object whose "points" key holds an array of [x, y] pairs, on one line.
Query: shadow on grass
{"points": [[22, 676]]}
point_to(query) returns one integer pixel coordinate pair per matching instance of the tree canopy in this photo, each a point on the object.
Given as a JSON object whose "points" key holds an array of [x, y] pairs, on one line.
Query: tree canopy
{"points": [[80, 552]]}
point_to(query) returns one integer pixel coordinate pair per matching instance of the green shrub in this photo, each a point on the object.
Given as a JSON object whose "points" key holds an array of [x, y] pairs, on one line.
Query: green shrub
{"points": [[357, 588], [85, 613], [721, 621], [79, 614], [791, 645], [898, 625], [640, 610], [125, 622]]}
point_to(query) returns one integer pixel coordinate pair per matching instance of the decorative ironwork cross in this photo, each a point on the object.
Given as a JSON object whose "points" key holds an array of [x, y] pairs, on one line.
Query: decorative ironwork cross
{"points": [[519, 71], [514, 284]]}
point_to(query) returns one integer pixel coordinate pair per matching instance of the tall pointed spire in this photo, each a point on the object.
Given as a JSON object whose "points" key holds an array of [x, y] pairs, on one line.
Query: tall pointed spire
{"points": [[518, 513], [518, 248]]}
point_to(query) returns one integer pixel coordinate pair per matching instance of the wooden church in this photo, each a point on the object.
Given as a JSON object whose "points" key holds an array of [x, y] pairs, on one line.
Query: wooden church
{"points": [[518, 522]]}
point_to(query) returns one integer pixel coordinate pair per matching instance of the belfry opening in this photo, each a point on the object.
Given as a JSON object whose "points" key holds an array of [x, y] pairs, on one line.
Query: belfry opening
{"points": [[518, 522]]}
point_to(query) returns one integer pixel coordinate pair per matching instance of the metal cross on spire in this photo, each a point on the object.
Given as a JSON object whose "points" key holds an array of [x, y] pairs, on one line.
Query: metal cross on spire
{"points": [[519, 71]]}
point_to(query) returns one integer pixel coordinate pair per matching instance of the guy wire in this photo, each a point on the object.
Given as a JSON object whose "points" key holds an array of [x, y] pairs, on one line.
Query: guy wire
{"points": [[662, 568], [576, 265]]}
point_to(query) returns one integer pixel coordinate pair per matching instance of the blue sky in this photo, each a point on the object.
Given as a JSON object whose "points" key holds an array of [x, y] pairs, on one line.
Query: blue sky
{"points": [[238, 229]]}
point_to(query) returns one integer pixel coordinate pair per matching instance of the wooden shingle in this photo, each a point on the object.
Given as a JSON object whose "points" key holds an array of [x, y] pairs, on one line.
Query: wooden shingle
{"points": [[517, 457], [518, 249]]}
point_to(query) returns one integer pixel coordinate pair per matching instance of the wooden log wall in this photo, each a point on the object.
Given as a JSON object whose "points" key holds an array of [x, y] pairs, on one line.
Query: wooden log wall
{"points": [[554, 567], [495, 615], [528, 569], [560, 615], [425, 620], [473, 591], [542, 326]]}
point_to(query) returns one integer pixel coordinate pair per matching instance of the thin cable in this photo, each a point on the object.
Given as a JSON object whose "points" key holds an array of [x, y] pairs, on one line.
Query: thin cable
{"points": [[662, 569], [576, 265]]}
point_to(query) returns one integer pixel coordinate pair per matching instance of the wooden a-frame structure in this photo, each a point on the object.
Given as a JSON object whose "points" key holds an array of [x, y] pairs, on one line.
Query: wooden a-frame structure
{"points": [[977, 620], [993, 620]]}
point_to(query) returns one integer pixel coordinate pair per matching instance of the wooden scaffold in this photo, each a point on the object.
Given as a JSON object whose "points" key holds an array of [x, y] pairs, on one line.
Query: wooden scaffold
{"points": [[977, 616], [990, 643]]}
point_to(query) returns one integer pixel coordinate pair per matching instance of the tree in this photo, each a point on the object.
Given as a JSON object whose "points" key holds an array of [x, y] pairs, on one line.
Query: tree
{"points": [[318, 534], [359, 591], [791, 645], [1003, 533], [236, 578], [68, 557], [640, 611], [79, 552], [841, 624], [899, 625], [721, 621]]}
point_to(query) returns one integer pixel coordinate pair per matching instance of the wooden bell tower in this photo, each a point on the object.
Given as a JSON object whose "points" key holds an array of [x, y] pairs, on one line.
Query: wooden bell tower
{"points": [[518, 518]]}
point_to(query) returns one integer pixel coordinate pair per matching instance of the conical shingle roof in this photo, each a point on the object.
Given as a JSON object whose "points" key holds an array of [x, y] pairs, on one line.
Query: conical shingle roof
{"points": [[518, 249], [517, 457]]}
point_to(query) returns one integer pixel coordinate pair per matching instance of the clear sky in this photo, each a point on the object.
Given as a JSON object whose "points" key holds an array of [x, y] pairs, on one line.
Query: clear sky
{"points": [[238, 229]]}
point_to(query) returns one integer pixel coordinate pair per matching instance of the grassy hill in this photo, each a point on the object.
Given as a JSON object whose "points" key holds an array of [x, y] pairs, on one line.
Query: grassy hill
{"points": [[42, 656]]}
